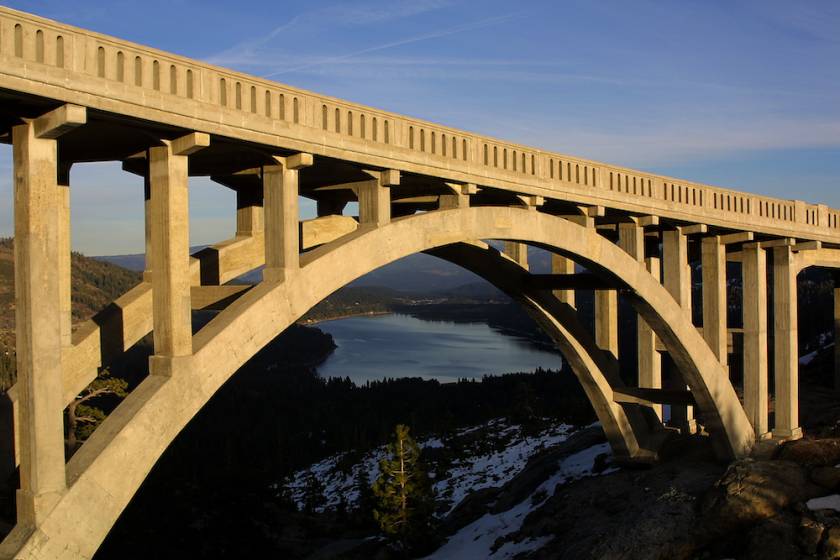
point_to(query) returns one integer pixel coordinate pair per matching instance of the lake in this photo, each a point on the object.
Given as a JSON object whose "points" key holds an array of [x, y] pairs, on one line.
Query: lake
{"points": [[375, 347]]}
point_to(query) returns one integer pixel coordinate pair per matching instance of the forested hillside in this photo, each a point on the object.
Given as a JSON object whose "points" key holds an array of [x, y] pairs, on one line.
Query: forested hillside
{"points": [[94, 285]]}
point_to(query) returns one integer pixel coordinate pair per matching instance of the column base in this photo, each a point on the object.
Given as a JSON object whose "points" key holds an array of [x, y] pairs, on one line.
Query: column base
{"points": [[278, 275], [32, 509], [685, 427], [795, 433], [167, 366], [764, 436]]}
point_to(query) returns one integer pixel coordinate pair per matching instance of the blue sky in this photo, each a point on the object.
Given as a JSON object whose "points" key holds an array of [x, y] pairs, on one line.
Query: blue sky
{"points": [[738, 94]]}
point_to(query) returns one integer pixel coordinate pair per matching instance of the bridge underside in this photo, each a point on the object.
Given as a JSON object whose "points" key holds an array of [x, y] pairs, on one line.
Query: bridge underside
{"points": [[419, 187]]}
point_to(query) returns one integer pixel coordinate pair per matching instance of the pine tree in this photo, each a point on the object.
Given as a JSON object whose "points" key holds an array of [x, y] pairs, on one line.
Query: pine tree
{"points": [[405, 499], [313, 494], [82, 418]]}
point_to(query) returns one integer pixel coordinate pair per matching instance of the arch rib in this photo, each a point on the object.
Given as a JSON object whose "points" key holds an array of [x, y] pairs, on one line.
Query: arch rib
{"points": [[104, 474]]}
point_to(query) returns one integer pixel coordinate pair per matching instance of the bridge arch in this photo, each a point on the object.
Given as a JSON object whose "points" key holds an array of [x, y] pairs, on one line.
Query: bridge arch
{"points": [[106, 472]]}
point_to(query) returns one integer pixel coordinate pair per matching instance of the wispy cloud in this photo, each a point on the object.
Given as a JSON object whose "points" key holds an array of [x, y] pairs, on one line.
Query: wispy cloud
{"points": [[252, 52], [385, 46]]}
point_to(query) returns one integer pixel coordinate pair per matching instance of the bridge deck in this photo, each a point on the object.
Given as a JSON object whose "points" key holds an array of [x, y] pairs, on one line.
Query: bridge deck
{"points": [[42, 62]]}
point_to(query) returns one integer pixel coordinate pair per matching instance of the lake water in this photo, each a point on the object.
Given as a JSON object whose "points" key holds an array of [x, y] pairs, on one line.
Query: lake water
{"points": [[376, 347]]}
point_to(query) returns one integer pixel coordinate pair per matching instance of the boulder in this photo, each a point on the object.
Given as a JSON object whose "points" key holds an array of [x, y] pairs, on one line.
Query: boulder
{"points": [[811, 452], [810, 533], [774, 538], [827, 477], [751, 491]]}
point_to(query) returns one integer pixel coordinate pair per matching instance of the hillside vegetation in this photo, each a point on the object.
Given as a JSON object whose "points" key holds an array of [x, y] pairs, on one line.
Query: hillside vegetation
{"points": [[94, 285]]}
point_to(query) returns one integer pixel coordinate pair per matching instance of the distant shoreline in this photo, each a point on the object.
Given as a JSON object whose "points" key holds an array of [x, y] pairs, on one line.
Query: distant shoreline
{"points": [[310, 322]]}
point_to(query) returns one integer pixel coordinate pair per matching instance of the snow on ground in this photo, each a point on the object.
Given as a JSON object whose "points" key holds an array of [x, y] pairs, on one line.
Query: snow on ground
{"points": [[476, 539], [825, 502], [473, 458], [482, 456], [495, 467], [823, 343]]}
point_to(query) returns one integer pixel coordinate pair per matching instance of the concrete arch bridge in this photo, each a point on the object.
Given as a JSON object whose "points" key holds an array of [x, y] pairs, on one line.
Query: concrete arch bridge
{"points": [[70, 95]]}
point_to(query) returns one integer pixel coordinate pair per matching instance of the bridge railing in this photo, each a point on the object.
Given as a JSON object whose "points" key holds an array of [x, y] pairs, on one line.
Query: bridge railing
{"points": [[128, 70]]}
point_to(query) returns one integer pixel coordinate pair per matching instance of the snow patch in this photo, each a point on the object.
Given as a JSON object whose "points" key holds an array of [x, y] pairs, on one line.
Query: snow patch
{"points": [[825, 502], [476, 539]]}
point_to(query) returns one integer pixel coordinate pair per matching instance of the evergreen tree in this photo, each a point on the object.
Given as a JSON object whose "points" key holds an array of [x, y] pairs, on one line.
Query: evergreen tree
{"points": [[313, 494], [405, 499], [82, 417], [365, 503]]}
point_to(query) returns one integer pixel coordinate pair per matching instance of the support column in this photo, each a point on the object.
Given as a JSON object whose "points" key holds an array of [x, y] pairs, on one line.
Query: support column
{"points": [[38, 306], [518, 252], [330, 207], [606, 321], [459, 197], [631, 238], [650, 361], [64, 261], [249, 212], [713, 265], [754, 282], [147, 214], [375, 197], [677, 280], [170, 237], [785, 344], [837, 331], [562, 265], [280, 201]]}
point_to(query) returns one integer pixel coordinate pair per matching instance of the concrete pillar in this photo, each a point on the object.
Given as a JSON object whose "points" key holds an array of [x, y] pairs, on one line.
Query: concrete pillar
{"points": [[677, 280], [280, 206], [39, 219], [785, 344], [650, 361], [147, 214], [562, 265], [170, 237], [606, 321], [754, 280], [64, 261], [459, 197], [837, 331], [375, 198], [631, 238], [518, 252], [330, 207], [249, 212], [713, 265]]}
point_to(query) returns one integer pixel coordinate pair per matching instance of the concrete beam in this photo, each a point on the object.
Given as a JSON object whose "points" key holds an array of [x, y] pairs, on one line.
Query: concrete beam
{"points": [[575, 281], [693, 229], [738, 237], [325, 229], [59, 121], [190, 143], [649, 397], [808, 246], [217, 297]]}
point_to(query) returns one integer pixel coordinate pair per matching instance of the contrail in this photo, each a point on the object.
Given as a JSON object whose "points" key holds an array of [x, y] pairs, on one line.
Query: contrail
{"points": [[417, 38]]}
